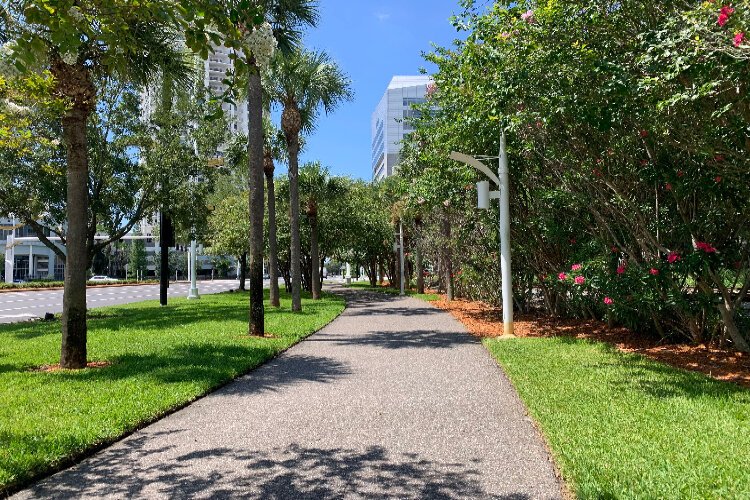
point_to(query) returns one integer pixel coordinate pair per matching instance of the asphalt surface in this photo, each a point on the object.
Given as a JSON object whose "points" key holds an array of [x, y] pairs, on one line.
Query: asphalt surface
{"points": [[22, 306], [391, 400]]}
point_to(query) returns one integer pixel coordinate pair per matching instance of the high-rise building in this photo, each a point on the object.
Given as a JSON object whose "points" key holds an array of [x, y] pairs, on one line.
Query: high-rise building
{"points": [[390, 121]]}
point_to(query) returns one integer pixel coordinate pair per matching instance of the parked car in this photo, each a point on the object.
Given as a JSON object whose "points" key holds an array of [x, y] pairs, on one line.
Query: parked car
{"points": [[103, 279]]}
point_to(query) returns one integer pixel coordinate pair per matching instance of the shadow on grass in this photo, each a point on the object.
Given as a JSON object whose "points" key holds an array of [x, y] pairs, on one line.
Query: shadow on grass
{"points": [[135, 469], [657, 380]]}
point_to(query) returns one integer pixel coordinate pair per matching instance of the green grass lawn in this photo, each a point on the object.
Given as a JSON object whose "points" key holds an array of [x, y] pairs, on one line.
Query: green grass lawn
{"points": [[392, 291], [623, 426], [162, 358]]}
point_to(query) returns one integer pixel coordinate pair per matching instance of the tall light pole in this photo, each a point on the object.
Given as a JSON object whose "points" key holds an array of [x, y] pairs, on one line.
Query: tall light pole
{"points": [[484, 197], [193, 294]]}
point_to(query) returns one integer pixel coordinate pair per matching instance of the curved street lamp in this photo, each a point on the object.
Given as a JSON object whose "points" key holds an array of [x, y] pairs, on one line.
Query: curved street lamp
{"points": [[484, 195]]}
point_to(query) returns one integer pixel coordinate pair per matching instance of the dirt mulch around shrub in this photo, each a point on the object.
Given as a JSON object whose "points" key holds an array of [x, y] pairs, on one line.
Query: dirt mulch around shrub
{"points": [[483, 320], [56, 367]]}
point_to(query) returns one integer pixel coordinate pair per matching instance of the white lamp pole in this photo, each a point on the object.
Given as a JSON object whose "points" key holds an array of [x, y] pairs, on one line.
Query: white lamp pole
{"points": [[484, 196], [193, 280]]}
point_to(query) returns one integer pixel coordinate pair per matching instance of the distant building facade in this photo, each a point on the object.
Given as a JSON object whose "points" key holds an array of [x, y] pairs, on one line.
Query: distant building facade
{"points": [[390, 121]]}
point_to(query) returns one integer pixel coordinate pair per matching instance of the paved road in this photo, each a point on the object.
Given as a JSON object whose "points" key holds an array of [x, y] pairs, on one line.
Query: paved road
{"points": [[21, 306], [391, 400]]}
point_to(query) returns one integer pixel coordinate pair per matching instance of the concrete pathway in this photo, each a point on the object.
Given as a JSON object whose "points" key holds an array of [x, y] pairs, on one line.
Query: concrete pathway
{"points": [[391, 400]]}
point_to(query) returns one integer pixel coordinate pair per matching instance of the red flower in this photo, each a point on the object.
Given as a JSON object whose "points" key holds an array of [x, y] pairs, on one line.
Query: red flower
{"points": [[644, 133], [562, 276], [615, 249], [668, 186], [724, 14], [717, 179], [608, 301], [597, 172], [705, 247], [654, 272], [580, 280], [644, 163], [673, 257], [572, 241], [719, 158], [576, 267], [680, 173], [739, 38], [621, 269]]}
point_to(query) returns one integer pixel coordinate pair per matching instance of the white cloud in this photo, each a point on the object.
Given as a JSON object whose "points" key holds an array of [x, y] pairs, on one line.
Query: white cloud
{"points": [[382, 16]]}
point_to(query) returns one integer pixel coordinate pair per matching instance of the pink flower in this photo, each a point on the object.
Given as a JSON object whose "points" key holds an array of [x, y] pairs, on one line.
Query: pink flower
{"points": [[580, 280], [576, 267], [668, 186], [739, 38], [724, 14], [608, 301], [654, 272], [528, 16], [705, 247], [673, 257], [562, 276], [621, 269]]}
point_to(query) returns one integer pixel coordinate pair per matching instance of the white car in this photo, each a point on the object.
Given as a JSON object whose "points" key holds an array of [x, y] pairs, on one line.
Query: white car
{"points": [[104, 279]]}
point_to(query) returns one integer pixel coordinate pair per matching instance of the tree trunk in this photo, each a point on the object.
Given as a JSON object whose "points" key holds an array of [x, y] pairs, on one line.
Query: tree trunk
{"points": [[418, 255], [448, 264], [74, 331], [291, 123], [164, 230], [243, 270], [373, 272], [273, 250], [312, 216], [255, 185]]}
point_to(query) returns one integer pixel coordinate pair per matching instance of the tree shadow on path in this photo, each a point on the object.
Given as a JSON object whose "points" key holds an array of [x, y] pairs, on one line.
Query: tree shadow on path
{"points": [[290, 472]]}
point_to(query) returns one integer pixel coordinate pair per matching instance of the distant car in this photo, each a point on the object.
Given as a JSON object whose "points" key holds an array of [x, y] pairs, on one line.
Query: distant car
{"points": [[105, 279]]}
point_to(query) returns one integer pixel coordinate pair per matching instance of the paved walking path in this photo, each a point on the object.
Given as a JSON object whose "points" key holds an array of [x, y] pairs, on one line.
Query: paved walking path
{"points": [[391, 400]]}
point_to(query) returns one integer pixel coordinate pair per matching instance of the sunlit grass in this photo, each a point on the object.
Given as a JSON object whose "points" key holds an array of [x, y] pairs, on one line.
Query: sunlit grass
{"points": [[161, 359], [392, 291], [623, 426]]}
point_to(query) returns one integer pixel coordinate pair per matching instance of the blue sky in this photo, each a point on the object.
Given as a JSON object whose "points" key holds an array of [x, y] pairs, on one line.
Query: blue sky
{"points": [[372, 41]]}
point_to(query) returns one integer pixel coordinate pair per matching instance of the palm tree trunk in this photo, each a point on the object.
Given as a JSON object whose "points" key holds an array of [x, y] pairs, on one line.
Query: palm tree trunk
{"points": [[418, 255], [255, 184], [314, 256], [290, 123], [74, 330], [273, 250]]}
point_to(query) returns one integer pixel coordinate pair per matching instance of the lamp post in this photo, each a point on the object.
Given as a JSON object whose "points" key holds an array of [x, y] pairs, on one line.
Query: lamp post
{"points": [[484, 195], [193, 294]]}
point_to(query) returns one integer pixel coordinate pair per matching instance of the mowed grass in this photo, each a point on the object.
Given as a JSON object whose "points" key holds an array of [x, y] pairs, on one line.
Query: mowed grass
{"points": [[161, 359], [392, 291], [623, 426]]}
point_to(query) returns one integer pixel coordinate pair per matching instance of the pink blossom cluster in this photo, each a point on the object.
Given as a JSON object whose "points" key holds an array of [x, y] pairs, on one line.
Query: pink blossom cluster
{"points": [[724, 14], [576, 267], [608, 301], [580, 280], [705, 247], [528, 17], [673, 257]]}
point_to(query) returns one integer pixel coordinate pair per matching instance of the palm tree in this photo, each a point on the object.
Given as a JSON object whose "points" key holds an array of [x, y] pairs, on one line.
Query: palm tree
{"points": [[303, 82], [273, 149], [317, 187], [286, 17], [93, 45]]}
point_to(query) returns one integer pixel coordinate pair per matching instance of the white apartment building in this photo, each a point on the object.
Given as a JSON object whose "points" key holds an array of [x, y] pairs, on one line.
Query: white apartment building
{"points": [[26, 257], [390, 121]]}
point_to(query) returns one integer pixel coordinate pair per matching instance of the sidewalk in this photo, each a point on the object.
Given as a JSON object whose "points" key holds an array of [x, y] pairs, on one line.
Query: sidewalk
{"points": [[391, 400]]}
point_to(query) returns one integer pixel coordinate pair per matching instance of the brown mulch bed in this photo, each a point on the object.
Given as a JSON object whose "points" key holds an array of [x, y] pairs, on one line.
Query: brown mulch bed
{"points": [[483, 320], [56, 366]]}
